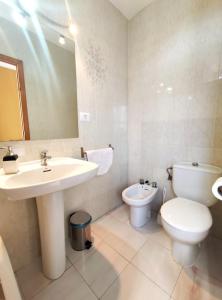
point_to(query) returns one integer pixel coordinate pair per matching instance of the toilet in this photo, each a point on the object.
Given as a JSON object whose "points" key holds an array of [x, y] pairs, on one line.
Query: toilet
{"points": [[187, 218], [139, 197]]}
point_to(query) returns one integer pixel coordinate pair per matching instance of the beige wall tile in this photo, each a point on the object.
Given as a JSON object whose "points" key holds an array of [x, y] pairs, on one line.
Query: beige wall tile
{"points": [[102, 91], [174, 89]]}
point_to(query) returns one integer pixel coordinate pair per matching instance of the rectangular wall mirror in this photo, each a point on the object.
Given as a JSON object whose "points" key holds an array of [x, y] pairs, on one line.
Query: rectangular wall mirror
{"points": [[38, 93]]}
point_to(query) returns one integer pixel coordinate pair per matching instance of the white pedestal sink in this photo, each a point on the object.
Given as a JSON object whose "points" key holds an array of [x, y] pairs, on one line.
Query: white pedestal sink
{"points": [[47, 185]]}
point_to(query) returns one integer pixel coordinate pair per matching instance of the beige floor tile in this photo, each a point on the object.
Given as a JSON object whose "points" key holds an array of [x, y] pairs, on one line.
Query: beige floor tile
{"points": [[154, 231], [157, 263], [120, 236], [209, 260], [101, 268], [162, 238], [194, 285], [31, 280], [99, 229], [125, 248], [74, 256], [68, 287], [121, 213], [68, 263], [150, 230], [133, 285]]}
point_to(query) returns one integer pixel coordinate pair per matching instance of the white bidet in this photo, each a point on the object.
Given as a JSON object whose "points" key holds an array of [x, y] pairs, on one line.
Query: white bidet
{"points": [[139, 197]]}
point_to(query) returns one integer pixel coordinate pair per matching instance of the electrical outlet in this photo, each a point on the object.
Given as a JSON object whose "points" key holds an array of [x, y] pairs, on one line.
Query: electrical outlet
{"points": [[84, 117]]}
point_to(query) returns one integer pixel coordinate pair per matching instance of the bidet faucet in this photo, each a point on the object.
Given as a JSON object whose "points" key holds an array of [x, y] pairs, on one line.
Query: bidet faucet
{"points": [[44, 158]]}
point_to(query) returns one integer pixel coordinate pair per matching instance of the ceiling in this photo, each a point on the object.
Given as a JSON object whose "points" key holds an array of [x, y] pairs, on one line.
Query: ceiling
{"points": [[129, 8]]}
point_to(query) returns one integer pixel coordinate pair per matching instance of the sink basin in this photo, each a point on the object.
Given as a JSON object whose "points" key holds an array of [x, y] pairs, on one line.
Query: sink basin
{"points": [[33, 180], [47, 185]]}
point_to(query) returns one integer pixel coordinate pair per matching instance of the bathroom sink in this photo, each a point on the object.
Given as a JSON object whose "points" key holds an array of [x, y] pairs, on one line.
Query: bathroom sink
{"points": [[47, 185], [33, 180]]}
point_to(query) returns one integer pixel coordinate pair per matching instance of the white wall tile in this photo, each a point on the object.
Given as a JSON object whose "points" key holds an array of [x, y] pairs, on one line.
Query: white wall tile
{"points": [[101, 59], [174, 44]]}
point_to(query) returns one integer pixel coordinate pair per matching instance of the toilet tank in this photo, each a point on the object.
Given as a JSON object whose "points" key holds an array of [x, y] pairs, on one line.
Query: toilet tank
{"points": [[195, 182]]}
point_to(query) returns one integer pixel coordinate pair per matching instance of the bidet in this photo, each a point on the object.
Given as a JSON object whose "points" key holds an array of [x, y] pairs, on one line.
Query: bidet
{"points": [[139, 197]]}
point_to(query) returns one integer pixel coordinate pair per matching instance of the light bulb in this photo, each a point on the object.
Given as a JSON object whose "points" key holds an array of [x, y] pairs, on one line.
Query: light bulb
{"points": [[29, 6], [62, 40], [72, 29], [19, 18]]}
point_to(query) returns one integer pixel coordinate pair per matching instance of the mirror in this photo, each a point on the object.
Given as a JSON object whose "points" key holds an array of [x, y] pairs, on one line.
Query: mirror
{"points": [[38, 94]]}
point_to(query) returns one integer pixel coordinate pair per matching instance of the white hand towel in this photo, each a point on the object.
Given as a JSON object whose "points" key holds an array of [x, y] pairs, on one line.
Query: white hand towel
{"points": [[102, 157]]}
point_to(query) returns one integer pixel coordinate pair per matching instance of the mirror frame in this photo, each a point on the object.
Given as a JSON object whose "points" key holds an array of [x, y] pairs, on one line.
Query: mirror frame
{"points": [[21, 89]]}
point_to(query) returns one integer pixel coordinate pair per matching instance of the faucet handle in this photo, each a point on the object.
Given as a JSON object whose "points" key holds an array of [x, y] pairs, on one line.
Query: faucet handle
{"points": [[142, 181], [43, 153]]}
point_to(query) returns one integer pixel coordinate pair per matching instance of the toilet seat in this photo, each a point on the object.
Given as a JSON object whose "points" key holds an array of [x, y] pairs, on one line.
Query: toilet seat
{"points": [[186, 215]]}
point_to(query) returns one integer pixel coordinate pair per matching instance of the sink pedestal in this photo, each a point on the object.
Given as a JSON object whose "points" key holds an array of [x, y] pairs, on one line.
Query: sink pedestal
{"points": [[32, 181], [52, 233]]}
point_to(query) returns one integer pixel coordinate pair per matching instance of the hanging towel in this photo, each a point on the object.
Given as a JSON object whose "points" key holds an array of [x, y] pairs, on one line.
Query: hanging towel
{"points": [[102, 157]]}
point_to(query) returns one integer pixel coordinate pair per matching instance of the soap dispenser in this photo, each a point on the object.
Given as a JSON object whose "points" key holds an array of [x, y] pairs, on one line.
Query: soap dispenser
{"points": [[10, 162]]}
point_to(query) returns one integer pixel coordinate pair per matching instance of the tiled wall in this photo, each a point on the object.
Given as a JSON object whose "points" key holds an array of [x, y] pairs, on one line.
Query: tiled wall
{"points": [[101, 57], [175, 89], [172, 44]]}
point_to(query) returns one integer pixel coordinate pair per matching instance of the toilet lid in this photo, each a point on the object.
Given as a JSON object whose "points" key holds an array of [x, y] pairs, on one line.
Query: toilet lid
{"points": [[187, 215]]}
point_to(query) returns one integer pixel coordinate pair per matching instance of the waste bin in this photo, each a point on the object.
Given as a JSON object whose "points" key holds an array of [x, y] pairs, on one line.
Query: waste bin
{"points": [[80, 231]]}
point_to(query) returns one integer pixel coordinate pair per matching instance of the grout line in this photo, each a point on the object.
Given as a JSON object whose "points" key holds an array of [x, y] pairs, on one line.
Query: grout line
{"points": [[140, 233], [50, 281], [85, 281], [45, 287], [128, 263], [174, 288], [39, 291], [131, 263], [150, 279], [105, 241], [147, 237]]}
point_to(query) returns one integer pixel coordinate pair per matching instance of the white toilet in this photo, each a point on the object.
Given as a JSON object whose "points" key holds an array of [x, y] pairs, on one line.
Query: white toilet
{"points": [[187, 218], [139, 197]]}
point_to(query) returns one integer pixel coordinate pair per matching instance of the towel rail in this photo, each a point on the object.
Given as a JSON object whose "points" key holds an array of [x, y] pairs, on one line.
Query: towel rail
{"points": [[84, 154]]}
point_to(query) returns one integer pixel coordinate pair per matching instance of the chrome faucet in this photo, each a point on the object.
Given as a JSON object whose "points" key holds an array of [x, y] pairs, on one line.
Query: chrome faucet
{"points": [[44, 158]]}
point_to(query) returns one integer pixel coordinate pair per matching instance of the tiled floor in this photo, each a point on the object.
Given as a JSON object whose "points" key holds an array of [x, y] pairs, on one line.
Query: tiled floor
{"points": [[128, 264]]}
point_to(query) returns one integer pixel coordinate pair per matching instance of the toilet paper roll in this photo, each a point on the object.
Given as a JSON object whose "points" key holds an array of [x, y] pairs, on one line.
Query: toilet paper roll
{"points": [[217, 188]]}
